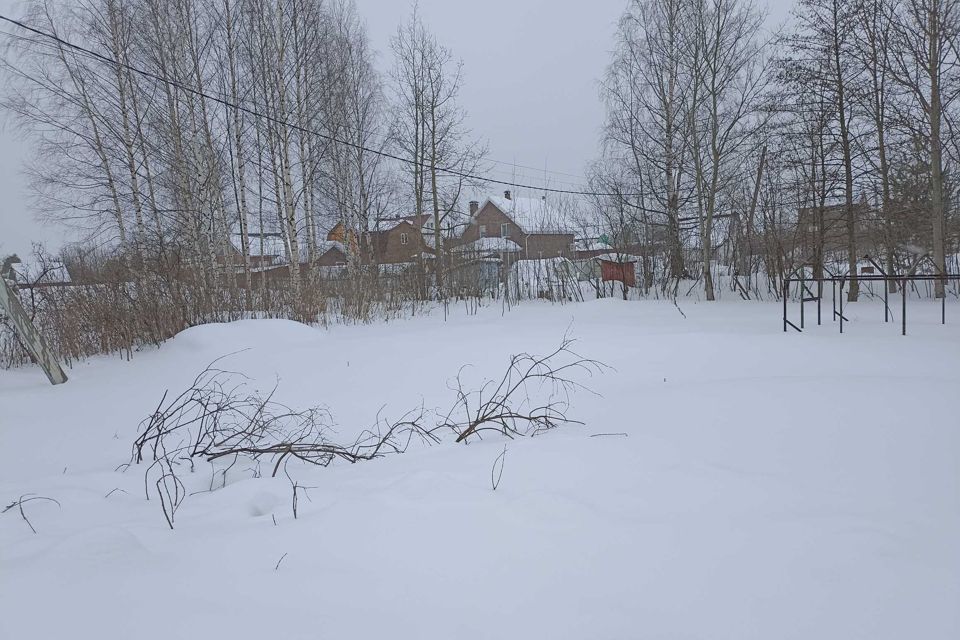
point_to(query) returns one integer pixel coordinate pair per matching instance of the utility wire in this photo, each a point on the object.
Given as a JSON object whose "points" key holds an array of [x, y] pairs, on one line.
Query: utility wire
{"points": [[577, 191], [330, 138]]}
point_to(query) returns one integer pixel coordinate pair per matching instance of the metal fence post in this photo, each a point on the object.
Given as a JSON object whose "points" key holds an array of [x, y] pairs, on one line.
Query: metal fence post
{"points": [[842, 282], [29, 336], [903, 287], [786, 292]]}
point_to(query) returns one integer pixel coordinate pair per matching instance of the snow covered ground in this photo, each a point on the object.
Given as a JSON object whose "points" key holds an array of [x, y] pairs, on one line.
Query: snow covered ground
{"points": [[770, 485]]}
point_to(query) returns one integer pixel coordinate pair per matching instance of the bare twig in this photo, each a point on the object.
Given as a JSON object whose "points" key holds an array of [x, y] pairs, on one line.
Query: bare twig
{"points": [[495, 472], [531, 397], [25, 498], [679, 309]]}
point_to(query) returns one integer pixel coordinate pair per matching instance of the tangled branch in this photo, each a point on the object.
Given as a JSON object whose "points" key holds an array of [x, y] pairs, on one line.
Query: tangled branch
{"points": [[218, 418], [531, 397]]}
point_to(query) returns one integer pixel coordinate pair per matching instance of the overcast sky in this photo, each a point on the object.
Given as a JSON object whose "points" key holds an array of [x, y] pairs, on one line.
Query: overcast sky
{"points": [[531, 72]]}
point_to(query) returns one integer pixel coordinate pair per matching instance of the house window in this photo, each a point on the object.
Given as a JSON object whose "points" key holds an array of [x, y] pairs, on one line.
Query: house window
{"points": [[504, 230], [403, 238], [483, 231]]}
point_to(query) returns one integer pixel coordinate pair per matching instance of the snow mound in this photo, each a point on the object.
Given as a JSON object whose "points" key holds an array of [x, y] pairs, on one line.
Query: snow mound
{"points": [[248, 332]]}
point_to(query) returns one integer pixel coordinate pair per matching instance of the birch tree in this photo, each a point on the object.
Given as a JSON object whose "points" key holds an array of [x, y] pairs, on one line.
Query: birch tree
{"points": [[431, 130], [728, 84], [646, 91]]}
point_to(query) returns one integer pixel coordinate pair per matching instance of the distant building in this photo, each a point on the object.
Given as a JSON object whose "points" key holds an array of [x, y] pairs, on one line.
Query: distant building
{"points": [[266, 249], [397, 240], [530, 228]]}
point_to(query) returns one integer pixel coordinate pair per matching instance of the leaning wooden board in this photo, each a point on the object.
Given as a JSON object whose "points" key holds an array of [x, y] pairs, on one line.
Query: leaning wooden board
{"points": [[29, 335]]}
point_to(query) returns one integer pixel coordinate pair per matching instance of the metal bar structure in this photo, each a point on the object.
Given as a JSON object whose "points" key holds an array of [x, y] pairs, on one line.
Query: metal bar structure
{"points": [[786, 296], [803, 296], [902, 279], [806, 295], [903, 315], [819, 299], [843, 281], [834, 282]]}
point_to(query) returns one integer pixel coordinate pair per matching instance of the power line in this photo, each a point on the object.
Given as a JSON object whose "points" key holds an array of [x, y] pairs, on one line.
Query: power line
{"points": [[576, 190], [259, 114]]}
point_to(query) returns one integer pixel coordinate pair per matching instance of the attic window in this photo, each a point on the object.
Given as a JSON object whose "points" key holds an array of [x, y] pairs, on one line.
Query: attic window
{"points": [[403, 238], [505, 230], [483, 231]]}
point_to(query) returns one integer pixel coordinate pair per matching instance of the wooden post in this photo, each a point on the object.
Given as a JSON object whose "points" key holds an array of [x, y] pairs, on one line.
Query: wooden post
{"points": [[29, 335]]}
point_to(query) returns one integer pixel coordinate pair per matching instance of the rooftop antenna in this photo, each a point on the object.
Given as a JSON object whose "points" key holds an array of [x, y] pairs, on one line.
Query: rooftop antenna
{"points": [[545, 178]]}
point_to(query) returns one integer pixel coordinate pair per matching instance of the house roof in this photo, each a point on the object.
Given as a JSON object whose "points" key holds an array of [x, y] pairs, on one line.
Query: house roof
{"points": [[622, 258], [533, 215], [386, 224]]}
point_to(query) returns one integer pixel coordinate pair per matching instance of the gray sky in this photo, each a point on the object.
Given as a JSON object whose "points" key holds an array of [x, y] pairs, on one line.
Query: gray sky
{"points": [[531, 70]]}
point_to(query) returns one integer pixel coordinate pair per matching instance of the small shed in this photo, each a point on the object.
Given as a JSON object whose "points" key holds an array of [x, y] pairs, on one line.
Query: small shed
{"points": [[616, 267]]}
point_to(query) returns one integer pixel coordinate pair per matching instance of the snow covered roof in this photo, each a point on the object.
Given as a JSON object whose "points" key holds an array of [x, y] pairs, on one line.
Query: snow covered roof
{"points": [[592, 244], [533, 215], [490, 245], [622, 258], [386, 224]]}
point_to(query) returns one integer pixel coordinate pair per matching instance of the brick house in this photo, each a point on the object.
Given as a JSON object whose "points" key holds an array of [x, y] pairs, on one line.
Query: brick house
{"points": [[396, 240], [538, 229]]}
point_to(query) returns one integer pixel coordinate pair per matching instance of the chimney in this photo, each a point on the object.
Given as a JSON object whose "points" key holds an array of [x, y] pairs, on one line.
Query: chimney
{"points": [[474, 206], [506, 194]]}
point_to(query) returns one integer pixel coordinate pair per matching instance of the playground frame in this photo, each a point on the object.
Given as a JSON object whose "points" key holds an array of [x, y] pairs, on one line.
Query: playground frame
{"points": [[807, 295]]}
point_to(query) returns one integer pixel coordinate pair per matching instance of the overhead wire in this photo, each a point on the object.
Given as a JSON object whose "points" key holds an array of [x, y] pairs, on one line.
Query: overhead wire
{"points": [[575, 188], [258, 113]]}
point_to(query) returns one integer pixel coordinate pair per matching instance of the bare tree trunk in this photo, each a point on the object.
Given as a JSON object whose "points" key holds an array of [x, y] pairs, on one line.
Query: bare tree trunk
{"points": [[936, 153]]}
